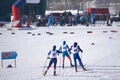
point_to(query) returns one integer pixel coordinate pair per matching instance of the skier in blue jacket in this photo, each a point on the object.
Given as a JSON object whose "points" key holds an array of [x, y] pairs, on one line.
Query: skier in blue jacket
{"points": [[53, 59], [64, 48], [75, 49]]}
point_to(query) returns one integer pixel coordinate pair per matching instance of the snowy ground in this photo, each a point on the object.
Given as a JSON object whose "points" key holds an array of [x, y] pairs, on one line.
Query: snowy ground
{"points": [[102, 60]]}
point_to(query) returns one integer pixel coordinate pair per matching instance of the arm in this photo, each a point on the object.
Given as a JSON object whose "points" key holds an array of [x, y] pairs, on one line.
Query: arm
{"points": [[80, 49], [49, 52], [60, 49], [68, 48], [48, 57]]}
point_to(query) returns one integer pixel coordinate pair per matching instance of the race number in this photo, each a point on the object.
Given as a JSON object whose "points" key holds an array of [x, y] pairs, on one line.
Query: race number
{"points": [[8, 55]]}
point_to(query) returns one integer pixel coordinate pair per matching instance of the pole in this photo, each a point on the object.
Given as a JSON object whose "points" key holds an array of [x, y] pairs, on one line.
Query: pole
{"points": [[60, 65], [44, 65], [2, 63], [15, 63]]}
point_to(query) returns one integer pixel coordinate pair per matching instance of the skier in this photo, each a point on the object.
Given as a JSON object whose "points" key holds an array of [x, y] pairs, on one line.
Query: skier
{"points": [[64, 48], [49, 20], [53, 59], [92, 18], [75, 49]]}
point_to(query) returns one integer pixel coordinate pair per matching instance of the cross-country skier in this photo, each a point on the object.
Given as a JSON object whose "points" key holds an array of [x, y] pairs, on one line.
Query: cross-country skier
{"points": [[64, 48], [75, 49], [53, 59]]}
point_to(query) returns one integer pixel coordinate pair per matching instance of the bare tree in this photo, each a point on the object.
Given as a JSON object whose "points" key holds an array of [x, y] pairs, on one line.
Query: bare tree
{"points": [[82, 4]]}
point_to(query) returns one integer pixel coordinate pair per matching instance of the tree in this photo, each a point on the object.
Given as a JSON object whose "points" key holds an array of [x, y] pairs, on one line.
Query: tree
{"points": [[82, 4]]}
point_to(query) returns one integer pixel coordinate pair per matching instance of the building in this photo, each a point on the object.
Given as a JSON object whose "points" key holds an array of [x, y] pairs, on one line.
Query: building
{"points": [[113, 5], [28, 9]]}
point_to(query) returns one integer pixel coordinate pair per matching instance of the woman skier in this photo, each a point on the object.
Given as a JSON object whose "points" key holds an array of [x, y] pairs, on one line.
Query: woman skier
{"points": [[53, 59], [75, 49]]}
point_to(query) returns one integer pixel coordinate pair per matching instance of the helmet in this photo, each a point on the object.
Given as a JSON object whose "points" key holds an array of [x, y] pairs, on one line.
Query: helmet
{"points": [[64, 42], [75, 44], [54, 47]]}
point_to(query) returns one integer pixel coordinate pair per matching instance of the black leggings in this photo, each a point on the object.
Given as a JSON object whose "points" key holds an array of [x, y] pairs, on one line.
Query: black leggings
{"points": [[53, 60]]}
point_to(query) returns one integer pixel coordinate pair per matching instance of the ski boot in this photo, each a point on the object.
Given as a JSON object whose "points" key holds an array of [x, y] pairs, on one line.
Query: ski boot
{"points": [[76, 70], [84, 69], [55, 73], [63, 66], [71, 65]]}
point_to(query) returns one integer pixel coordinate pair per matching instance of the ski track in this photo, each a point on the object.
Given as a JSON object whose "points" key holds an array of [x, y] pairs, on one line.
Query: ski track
{"points": [[99, 67]]}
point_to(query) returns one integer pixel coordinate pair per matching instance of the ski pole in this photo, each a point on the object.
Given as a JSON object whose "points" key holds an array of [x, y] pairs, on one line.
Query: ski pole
{"points": [[60, 65], [43, 69], [81, 56], [44, 65]]}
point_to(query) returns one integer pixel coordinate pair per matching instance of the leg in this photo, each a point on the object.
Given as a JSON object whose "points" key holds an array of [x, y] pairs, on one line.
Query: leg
{"points": [[68, 56], [55, 63], [75, 63], [63, 59], [50, 63], [75, 66], [63, 62], [70, 61], [81, 64]]}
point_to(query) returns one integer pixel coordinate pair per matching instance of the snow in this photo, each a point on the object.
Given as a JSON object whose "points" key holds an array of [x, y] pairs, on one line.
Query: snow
{"points": [[102, 60]]}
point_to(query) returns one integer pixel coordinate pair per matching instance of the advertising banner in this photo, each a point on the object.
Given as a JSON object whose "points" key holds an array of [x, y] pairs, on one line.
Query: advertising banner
{"points": [[32, 1]]}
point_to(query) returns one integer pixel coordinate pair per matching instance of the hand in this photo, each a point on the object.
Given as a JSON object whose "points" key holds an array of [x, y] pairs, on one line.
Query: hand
{"points": [[48, 57], [59, 51], [70, 52]]}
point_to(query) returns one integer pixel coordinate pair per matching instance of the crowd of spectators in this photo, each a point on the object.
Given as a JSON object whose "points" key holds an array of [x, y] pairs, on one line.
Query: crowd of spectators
{"points": [[61, 19]]}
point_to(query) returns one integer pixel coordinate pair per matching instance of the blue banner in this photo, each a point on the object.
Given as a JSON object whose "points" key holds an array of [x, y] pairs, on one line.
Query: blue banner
{"points": [[8, 55]]}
